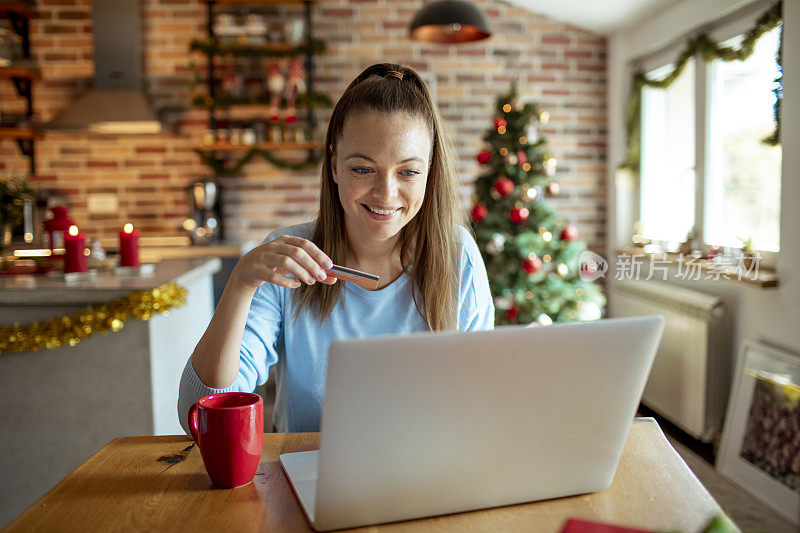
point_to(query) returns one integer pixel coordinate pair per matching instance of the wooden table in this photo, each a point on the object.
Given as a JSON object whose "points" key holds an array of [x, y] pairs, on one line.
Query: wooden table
{"points": [[144, 483]]}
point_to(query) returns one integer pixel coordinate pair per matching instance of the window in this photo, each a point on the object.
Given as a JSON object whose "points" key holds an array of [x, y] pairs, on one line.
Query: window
{"points": [[743, 175], [668, 145], [737, 184]]}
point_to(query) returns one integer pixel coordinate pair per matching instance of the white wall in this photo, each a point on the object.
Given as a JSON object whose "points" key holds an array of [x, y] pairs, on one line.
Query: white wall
{"points": [[771, 315]]}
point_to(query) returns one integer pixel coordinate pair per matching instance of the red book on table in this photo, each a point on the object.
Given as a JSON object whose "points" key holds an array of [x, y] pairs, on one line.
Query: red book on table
{"points": [[575, 525]]}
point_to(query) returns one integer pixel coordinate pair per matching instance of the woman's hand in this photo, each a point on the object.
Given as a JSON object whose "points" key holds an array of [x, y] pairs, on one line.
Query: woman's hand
{"points": [[274, 261]]}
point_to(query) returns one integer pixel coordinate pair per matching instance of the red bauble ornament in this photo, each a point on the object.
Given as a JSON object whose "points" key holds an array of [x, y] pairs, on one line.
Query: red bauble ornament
{"points": [[479, 212], [521, 157], [503, 186], [532, 264], [569, 233], [518, 214], [484, 157], [500, 122], [511, 314]]}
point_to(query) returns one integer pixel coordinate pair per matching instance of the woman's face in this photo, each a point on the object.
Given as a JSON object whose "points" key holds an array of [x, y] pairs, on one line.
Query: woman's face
{"points": [[381, 164]]}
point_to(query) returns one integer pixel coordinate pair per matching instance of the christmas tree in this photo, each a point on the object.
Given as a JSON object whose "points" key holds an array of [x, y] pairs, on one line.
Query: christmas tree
{"points": [[532, 258]]}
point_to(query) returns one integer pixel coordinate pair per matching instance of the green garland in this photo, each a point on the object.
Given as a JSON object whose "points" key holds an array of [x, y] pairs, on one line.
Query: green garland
{"points": [[775, 138], [710, 51], [219, 168]]}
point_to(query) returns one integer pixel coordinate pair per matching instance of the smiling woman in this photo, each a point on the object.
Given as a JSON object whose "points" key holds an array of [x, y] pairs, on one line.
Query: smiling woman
{"points": [[382, 192], [388, 206]]}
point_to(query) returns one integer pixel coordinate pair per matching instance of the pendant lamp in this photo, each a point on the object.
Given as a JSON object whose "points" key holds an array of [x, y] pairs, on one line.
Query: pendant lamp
{"points": [[449, 21]]}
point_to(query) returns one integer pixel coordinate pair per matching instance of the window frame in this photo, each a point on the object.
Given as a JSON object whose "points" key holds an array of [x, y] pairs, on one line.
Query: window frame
{"points": [[723, 31]]}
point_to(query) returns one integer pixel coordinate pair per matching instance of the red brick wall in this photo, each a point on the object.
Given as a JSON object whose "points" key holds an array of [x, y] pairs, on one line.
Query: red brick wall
{"points": [[560, 66]]}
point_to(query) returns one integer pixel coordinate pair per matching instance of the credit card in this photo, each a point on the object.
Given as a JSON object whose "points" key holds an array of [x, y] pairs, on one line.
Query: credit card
{"points": [[362, 279]]}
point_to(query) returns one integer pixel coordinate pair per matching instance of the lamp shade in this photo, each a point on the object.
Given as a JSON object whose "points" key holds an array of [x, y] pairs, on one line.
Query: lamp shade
{"points": [[449, 21]]}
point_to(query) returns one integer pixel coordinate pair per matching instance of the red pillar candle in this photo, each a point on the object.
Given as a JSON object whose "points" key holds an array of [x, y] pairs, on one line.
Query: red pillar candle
{"points": [[129, 246], [74, 246]]}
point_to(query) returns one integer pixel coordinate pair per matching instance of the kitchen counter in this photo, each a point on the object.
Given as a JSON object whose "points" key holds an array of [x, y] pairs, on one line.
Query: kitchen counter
{"points": [[153, 253], [31, 290], [76, 398]]}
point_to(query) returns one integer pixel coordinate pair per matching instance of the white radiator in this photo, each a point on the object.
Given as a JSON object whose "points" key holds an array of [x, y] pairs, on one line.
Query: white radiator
{"points": [[690, 378]]}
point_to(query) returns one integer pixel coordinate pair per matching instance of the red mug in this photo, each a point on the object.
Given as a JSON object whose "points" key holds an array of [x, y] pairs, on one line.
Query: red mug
{"points": [[228, 427]]}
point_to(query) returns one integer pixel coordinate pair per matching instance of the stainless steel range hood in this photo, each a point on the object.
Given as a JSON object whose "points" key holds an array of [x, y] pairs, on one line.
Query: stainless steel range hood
{"points": [[116, 104]]}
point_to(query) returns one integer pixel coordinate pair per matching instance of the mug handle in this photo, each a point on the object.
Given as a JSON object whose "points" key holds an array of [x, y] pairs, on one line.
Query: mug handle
{"points": [[193, 424]]}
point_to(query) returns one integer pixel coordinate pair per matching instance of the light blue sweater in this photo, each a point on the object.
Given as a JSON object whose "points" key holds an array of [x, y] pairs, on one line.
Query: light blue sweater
{"points": [[300, 350]]}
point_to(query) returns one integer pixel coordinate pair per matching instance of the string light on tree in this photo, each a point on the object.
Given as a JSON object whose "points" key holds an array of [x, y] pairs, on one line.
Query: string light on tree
{"points": [[589, 311], [496, 244], [530, 193], [549, 166], [532, 133], [503, 302]]}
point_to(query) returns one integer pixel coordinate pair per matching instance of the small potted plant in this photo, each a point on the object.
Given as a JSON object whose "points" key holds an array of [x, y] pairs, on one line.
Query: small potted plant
{"points": [[13, 193], [748, 254], [637, 239], [687, 246]]}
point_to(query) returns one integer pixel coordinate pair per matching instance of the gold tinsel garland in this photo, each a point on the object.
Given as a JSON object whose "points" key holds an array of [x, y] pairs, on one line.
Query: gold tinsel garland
{"points": [[70, 330]]}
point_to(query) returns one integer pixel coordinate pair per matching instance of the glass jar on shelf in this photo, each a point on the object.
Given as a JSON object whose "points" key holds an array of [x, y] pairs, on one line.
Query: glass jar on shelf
{"points": [[294, 30], [235, 136], [248, 135]]}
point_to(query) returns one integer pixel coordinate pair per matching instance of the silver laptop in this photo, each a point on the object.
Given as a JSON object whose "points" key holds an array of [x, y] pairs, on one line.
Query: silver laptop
{"points": [[437, 423]]}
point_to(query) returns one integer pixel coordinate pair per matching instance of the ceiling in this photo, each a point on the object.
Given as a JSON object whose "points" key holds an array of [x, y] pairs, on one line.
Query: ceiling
{"points": [[599, 16]]}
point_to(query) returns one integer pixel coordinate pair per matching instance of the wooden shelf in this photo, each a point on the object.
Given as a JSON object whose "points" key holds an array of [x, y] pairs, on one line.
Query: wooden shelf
{"points": [[257, 3], [214, 155], [303, 101], [17, 8], [766, 277], [235, 49], [225, 147], [19, 133], [20, 71]]}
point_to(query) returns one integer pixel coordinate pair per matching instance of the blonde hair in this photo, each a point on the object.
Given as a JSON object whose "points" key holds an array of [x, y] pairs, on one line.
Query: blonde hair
{"points": [[428, 247]]}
